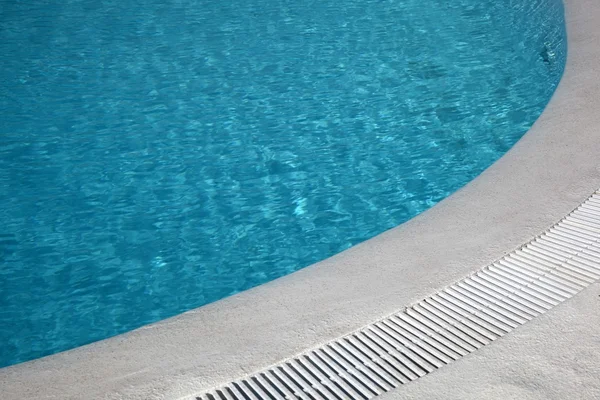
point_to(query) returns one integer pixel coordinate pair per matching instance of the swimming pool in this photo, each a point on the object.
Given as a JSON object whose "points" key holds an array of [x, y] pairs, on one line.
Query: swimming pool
{"points": [[159, 156]]}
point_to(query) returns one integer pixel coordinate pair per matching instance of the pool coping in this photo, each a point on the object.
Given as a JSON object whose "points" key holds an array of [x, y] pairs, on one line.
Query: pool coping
{"points": [[547, 174]]}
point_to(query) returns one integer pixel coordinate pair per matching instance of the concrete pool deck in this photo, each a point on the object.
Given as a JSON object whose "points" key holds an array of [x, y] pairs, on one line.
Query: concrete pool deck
{"points": [[547, 174]]}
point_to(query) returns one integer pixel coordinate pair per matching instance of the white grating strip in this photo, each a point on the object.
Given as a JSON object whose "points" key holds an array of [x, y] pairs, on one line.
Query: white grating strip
{"points": [[442, 328]]}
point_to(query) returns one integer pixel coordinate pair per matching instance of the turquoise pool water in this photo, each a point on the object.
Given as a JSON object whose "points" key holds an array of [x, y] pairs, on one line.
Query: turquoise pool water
{"points": [[159, 155]]}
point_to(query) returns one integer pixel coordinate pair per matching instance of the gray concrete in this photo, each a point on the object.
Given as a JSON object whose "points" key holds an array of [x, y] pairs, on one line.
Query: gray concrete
{"points": [[547, 174]]}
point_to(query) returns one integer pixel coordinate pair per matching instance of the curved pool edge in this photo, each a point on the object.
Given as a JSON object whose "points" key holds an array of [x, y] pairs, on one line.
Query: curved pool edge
{"points": [[547, 174]]}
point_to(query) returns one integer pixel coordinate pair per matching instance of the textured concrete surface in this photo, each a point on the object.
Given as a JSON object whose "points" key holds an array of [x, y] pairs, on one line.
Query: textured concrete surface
{"points": [[547, 174]]}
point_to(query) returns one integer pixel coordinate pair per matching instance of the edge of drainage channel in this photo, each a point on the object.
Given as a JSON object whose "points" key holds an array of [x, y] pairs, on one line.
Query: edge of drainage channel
{"points": [[444, 327]]}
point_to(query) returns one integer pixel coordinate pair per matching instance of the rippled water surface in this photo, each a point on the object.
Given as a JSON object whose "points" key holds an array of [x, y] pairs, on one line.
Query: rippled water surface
{"points": [[159, 155]]}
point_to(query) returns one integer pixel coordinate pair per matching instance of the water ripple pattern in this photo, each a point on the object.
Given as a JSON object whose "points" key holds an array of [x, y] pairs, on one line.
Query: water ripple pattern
{"points": [[156, 156]]}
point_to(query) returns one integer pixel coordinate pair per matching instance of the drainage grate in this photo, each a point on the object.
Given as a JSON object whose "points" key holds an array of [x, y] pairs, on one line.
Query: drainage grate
{"points": [[445, 326]]}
